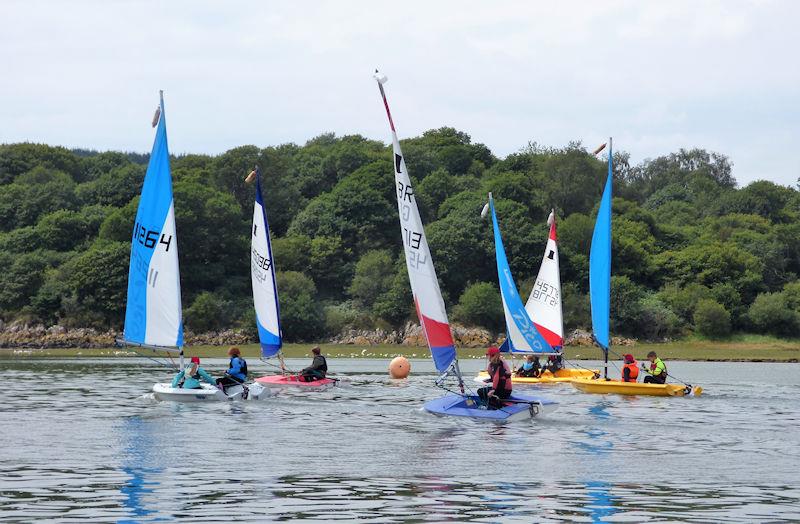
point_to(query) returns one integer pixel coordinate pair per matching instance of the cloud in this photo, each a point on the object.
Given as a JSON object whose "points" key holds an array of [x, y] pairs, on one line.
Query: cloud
{"points": [[657, 75]]}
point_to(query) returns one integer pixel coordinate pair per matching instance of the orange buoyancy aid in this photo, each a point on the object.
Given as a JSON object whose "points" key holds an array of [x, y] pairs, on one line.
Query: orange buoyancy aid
{"points": [[633, 370], [501, 376]]}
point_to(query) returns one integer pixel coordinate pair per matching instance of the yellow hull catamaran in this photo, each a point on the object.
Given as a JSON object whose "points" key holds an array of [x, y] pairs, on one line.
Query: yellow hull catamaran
{"points": [[543, 308], [600, 296]]}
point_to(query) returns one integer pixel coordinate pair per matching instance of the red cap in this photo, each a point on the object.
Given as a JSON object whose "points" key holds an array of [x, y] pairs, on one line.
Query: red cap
{"points": [[195, 360], [628, 358], [492, 351]]}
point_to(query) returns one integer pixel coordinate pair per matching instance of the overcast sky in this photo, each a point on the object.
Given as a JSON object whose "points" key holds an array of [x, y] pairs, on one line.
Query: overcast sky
{"points": [[658, 76]]}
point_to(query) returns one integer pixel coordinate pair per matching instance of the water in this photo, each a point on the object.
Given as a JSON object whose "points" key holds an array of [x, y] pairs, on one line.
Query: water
{"points": [[82, 440]]}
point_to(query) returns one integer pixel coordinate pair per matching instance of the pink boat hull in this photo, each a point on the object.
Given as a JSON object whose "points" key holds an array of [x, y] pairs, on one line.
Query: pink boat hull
{"points": [[291, 381]]}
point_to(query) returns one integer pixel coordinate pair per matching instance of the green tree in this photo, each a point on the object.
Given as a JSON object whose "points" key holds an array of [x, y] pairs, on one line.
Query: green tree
{"points": [[302, 316], [373, 277], [771, 313], [711, 319], [480, 305]]}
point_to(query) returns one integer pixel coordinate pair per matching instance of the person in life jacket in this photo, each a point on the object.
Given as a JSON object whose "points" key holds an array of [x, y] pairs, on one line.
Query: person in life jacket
{"points": [[657, 372], [553, 364], [499, 378], [530, 367], [630, 370], [237, 370], [190, 377], [318, 368]]}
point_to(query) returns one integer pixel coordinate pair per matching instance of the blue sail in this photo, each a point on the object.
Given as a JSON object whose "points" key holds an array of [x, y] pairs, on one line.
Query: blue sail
{"points": [[153, 312], [522, 333], [600, 264], [262, 272]]}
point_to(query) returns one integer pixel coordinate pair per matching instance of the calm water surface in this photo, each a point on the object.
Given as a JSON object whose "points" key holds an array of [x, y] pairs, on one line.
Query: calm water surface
{"points": [[82, 440]]}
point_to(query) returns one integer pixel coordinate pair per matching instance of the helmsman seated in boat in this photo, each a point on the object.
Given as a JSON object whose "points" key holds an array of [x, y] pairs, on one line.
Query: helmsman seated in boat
{"points": [[657, 372], [553, 364], [530, 368], [318, 368], [499, 379], [190, 377], [237, 370]]}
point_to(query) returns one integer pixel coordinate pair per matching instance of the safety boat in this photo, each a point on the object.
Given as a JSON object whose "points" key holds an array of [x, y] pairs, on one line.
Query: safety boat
{"points": [[544, 310], [431, 309], [600, 298]]}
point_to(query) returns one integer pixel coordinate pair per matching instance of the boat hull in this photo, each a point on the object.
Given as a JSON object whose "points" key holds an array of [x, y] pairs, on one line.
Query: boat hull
{"points": [[616, 387], [469, 408], [291, 381], [207, 393], [562, 375]]}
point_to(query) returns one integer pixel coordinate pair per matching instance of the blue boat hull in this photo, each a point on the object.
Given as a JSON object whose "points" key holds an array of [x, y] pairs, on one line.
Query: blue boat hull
{"points": [[470, 407]]}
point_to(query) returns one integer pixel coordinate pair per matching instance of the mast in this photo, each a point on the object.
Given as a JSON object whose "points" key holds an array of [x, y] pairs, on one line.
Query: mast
{"points": [[600, 266]]}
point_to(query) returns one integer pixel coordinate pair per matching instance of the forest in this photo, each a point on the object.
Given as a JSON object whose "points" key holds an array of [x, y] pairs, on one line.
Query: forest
{"points": [[693, 253]]}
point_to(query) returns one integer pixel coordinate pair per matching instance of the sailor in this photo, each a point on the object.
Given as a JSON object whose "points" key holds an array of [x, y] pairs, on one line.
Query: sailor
{"points": [[657, 372], [630, 370], [530, 367], [190, 377], [500, 378], [237, 370], [318, 368], [553, 364]]}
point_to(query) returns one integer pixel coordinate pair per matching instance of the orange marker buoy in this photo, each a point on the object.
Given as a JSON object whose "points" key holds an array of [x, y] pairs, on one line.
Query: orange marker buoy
{"points": [[399, 367]]}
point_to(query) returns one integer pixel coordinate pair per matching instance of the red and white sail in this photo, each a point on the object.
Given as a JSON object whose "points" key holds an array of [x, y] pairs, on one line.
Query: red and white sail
{"points": [[544, 303], [424, 284]]}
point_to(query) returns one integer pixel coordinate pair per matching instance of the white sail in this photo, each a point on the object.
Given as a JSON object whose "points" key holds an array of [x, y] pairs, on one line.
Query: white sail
{"points": [[544, 302], [262, 272]]}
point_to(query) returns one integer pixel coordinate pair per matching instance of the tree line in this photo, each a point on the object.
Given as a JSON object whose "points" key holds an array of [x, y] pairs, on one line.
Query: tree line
{"points": [[692, 252]]}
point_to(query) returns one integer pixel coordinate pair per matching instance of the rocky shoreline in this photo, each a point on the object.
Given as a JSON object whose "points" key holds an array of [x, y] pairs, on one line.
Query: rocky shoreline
{"points": [[17, 335]]}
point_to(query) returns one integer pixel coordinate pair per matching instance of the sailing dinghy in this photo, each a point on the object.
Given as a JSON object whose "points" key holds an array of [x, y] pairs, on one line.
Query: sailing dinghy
{"points": [[265, 298], [600, 295], [544, 309], [153, 318], [431, 309]]}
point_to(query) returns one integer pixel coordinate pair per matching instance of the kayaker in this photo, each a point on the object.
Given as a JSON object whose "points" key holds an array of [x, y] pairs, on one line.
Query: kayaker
{"points": [[657, 372], [630, 370], [530, 367], [500, 378], [553, 364], [318, 368], [190, 377], [237, 370]]}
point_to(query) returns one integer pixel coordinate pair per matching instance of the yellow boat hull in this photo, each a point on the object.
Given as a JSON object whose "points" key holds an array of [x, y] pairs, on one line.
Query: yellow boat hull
{"points": [[562, 375], [616, 387]]}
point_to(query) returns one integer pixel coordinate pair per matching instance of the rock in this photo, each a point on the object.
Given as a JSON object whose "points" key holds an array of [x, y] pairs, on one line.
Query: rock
{"points": [[56, 330]]}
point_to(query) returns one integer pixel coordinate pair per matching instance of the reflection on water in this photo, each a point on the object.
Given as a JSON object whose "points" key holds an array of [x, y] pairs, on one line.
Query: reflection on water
{"points": [[86, 442]]}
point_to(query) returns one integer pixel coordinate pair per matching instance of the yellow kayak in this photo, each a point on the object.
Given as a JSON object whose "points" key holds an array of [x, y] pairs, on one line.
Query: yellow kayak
{"points": [[562, 375], [617, 387]]}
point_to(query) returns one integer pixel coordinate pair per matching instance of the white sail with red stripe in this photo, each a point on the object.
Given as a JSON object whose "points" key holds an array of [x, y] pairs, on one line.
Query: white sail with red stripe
{"points": [[424, 284], [544, 302]]}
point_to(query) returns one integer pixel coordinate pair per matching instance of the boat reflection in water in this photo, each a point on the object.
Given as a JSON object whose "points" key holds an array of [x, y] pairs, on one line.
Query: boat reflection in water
{"points": [[137, 465]]}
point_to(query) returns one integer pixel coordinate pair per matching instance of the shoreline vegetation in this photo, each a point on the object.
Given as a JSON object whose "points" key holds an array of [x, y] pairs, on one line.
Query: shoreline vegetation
{"points": [[749, 348]]}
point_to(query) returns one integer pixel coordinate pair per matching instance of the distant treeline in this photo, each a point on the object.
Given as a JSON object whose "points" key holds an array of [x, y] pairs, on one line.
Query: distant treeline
{"points": [[691, 251]]}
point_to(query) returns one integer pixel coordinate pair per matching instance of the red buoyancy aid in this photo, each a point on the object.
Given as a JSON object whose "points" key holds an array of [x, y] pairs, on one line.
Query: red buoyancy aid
{"points": [[634, 372], [501, 376]]}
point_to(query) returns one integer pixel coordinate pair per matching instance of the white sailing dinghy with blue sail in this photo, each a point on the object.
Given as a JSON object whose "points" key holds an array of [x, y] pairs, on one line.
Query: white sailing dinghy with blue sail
{"points": [[153, 318], [431, 309]]}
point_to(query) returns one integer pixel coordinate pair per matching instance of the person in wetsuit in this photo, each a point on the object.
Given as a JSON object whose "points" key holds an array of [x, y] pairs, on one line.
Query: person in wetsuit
{"points": [[499, 380], [190, 377], [318, 368], [553, 364], [237, 370], [531, 367]]}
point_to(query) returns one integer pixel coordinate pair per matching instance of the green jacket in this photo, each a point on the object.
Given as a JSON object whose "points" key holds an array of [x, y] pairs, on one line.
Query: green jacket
{"points": [[194, 381], [659, 369]]}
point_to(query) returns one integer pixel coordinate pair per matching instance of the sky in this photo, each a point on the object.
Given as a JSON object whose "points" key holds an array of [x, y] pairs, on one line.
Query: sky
{"points": [[656, 75]]}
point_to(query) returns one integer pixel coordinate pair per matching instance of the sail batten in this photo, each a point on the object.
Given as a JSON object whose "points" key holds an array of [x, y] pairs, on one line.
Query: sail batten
{"points": [[262, 272], [421, 273], [522, 333], [153, 314]]}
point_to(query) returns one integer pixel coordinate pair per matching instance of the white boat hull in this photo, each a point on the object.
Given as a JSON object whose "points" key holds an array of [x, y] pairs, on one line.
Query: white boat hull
{"points": [[207, 393]]}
